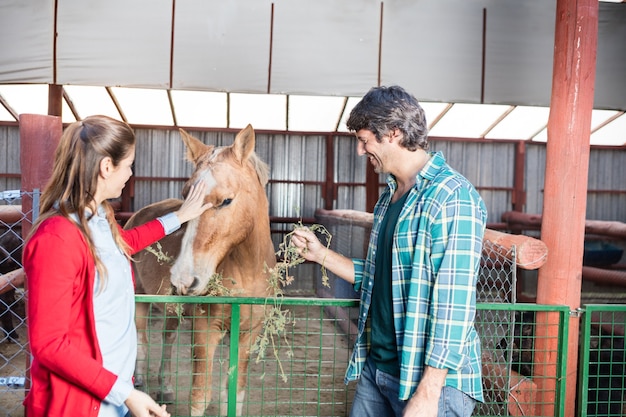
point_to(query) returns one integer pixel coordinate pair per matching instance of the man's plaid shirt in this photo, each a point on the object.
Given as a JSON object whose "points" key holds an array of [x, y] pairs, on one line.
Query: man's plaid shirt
{"points": [[436, 257]]}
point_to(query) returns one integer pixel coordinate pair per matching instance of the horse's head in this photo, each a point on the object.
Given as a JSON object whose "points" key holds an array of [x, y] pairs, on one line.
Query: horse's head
{"points": [[235, 178]]}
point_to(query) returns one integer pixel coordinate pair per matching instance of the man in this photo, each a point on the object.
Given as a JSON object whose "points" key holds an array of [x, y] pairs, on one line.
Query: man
{"points": [[417, 352]]}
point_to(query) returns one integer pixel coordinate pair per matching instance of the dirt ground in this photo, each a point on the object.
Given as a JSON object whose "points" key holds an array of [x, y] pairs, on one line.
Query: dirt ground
{"points": [[313, 355]]}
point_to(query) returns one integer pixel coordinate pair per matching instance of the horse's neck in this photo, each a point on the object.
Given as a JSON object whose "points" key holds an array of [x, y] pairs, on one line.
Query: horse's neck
{"points": [[248, 262], [257, 248]]}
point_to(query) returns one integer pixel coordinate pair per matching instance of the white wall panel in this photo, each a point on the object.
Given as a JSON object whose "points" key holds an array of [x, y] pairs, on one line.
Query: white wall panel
{"points": [[222, 45], [325, 47], [114, 42], [423, 52], [26, 37], [519, 52]]}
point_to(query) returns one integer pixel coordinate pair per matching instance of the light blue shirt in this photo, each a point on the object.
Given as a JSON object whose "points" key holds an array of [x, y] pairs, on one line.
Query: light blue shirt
{"points": [[114, 311]]}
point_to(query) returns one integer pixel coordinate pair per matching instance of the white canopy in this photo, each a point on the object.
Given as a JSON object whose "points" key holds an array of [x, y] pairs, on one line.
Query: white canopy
{"points": [[475, 51], [461, 52]]}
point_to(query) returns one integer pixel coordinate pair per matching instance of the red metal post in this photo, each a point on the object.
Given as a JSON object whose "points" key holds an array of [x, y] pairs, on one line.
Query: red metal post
{"points": [[39, 137], [564, 206]]}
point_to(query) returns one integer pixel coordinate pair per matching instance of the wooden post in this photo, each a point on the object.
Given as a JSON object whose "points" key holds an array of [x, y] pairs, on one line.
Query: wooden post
{"points": [[564, 203], [372, 188], [519, 194], [39, 137]]}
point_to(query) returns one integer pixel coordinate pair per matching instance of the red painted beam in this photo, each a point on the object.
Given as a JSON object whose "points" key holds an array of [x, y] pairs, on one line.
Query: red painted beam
{"points": [[565, 193], [39, 137]]}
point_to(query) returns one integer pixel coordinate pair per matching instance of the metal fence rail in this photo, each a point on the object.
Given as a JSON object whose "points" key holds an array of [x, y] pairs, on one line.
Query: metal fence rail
{"points": [[304, 374]]}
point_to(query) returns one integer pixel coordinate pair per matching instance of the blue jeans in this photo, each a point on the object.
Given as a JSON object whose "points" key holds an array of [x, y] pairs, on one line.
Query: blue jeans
{"points": [[377, 396]]}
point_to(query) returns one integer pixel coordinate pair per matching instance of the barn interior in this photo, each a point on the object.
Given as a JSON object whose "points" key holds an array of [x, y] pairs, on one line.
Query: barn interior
{"points": [[521, 103]]}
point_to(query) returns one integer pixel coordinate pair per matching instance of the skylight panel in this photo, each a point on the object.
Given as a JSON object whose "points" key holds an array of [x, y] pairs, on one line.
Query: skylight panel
{"points": [[26, 98], [66, 113], [314, 113], [200, 108], [468, 120], [143, 106], [262, 111], [433, 111], [521, 124], [5, 116], [613, 134], [90, 100], [352, 101]]}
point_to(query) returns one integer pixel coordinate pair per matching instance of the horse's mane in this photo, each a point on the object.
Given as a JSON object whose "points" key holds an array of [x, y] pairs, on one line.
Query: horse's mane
{"points": [[262, 169]]}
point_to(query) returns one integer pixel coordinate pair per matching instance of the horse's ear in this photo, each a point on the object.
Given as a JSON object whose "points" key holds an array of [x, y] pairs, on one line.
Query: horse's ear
{"points": [[243, 146], [195, 148]]}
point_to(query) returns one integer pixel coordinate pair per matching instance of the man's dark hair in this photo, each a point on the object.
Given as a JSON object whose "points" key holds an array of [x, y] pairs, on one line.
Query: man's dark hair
{"points": [[384, 109]]}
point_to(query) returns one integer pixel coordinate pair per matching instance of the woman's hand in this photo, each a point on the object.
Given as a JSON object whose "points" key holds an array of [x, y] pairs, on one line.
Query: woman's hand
{"points": [[141, 404], [193, 206]]}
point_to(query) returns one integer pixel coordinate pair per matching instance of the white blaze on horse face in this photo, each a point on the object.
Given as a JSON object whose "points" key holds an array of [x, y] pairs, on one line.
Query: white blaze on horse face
{"points": [[185, 273]]}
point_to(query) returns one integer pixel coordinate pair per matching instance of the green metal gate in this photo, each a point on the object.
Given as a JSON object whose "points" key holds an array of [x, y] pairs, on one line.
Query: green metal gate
{"points": [[602, 365], [301, 371]]}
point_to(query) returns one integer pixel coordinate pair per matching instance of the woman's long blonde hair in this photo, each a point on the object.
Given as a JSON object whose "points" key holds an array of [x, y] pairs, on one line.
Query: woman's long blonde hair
{"points": [[72, 187]]}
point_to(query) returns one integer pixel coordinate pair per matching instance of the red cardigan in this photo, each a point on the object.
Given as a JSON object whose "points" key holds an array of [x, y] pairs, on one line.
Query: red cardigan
{"points": [[67, 376]]}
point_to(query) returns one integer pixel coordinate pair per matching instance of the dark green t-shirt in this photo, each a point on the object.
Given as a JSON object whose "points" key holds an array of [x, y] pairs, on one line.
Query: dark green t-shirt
{"points": [[383, 348]]}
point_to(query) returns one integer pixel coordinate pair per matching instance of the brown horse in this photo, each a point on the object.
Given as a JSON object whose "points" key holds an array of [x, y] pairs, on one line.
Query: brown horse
{"points": [[232, 239]]}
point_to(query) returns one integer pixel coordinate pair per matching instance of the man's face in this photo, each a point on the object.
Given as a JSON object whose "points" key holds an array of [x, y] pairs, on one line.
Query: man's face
{"points": [[375, 151]]}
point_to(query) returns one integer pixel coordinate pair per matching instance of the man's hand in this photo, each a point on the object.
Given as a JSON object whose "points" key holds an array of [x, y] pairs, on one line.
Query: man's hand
{"points": [[425, 401]]}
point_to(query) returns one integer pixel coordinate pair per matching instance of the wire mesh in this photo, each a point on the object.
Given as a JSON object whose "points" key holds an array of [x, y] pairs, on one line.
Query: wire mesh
{"points": [[602, 371], [13, 331], [300, 372], [522, 361], [496, 284]]}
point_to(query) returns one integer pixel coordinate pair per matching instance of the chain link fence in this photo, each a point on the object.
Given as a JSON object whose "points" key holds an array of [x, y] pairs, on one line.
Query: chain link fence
{"points": [[13, 332]]}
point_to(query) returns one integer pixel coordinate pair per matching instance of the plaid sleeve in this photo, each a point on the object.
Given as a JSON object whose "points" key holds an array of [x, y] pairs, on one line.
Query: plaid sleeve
{"points": [[456, 250]]}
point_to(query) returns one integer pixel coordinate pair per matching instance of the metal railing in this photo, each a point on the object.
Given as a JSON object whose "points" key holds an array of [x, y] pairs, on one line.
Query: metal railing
{"points": [[313, 351]]}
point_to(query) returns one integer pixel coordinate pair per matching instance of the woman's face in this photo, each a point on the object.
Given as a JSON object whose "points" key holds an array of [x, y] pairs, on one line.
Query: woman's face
{"points": [[114, 178]]}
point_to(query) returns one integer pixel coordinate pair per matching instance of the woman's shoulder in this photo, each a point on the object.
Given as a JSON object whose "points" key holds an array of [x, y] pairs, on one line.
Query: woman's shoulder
{"points": [[58, 225], [57, 221]]}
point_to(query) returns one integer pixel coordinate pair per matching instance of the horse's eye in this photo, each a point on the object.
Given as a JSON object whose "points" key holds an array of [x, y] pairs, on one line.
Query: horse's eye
{"points": [[226, 202]]}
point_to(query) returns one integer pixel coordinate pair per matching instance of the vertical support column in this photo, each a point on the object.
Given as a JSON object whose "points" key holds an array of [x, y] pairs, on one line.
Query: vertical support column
{"points": [[372, 180], [519, 193], [39, 137], [564, 207], [55, 99], [329, 190]]}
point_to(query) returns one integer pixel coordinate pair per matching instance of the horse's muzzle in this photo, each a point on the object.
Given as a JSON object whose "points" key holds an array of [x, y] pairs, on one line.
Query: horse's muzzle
{"points": [[191, 289]]}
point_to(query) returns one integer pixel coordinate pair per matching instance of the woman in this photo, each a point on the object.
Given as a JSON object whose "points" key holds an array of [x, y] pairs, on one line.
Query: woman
{"points": [[80, 286]]}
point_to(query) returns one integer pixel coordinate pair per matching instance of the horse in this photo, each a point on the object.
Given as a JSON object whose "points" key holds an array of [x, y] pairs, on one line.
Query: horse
{"points": [[231, 239]]}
